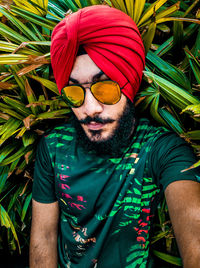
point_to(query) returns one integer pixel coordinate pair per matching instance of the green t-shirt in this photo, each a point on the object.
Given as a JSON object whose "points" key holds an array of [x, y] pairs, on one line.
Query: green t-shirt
{"points": [[107, 204]]}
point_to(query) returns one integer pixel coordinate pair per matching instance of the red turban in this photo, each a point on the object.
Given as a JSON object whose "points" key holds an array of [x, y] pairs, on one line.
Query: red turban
{"points": [[111, 39]]}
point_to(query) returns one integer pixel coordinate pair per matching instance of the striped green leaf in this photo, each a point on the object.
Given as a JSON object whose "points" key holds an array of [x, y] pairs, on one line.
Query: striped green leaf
{"points": [[26, 206], [38, 7], [194, 63], [10, 47], [13, 59], [172, 122], [20, 25], [194, 109], [161, 15], [29, 138], [138, 9], [150, 11], [21, 152], [154, 110], [4, 175], [6, 221], [193, 135], [119, 4], [54, 114], [149, 36], [18, 105], [14, 198], [38, 20], [12, 113], [168, 258], [166, 70], [9, 128], [167, 45], [6, 150], [177, 96], [13, 166], [129, 7], [47, 83]]}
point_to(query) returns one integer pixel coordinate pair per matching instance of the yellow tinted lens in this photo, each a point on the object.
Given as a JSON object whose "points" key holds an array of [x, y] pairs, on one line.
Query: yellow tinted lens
{"points": [[107, 92], [74, 95]]}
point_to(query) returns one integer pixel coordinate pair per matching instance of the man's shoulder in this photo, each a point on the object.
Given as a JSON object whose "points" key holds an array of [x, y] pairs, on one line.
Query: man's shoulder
{"points": [[163, 144], [156, 136], [58, 137]]}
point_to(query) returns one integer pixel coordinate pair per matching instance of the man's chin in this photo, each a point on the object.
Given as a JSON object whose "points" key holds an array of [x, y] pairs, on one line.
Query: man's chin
{"points": [[101, 134], [96, 141], [98, 136]]}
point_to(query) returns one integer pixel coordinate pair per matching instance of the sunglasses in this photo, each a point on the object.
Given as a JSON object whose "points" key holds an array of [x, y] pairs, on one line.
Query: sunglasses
{"points": [[107, 92]]}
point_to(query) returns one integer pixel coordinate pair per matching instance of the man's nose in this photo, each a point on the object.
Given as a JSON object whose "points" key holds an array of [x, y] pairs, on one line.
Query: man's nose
{"points": [[92, 106]]}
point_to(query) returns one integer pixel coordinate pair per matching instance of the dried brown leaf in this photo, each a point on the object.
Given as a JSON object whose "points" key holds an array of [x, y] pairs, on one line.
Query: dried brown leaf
{"points": [[4, 116], [6, 85], [25, 186], [27, 157], [37, 59], [28, 88], [139, 100], [28, 121], [4, 75], [39, 131], [28, 69]]}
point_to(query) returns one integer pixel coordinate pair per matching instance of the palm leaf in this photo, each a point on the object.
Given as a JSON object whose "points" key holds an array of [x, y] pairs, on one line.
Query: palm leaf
{"points": [[26, 206], [168, 71], [21, 152], [176, 95], [4, 175], [149, 36], [20, 26], [195, 65], [38, 20], [194, 109], [138, 9], [38, 7], [162, 14], [168, 258], [150, 11], [171, 121], [6, 221], [47, 83], [119, 4]]}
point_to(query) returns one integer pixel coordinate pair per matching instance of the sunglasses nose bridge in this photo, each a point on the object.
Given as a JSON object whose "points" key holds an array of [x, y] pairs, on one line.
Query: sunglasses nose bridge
{"points": [[91, 104], [87, 86]]}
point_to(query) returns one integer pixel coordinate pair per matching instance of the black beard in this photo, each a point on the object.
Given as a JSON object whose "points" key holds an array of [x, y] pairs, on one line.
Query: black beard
{"points": [[116, 142]]}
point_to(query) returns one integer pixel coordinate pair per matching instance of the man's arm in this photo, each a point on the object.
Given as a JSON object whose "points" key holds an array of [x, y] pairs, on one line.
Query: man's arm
{"points": [[183, 200], [43, 242]]}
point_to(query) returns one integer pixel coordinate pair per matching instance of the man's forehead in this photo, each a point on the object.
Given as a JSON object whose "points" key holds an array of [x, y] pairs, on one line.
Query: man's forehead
{"points": [[85, 70]]}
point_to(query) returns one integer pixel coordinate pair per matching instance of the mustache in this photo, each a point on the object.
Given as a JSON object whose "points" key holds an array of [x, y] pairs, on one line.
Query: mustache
{"points": [[95, 119]]}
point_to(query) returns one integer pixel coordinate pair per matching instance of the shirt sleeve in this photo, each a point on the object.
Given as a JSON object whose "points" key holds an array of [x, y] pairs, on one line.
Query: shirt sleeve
{"points": [[170, 156], [43, 179]]}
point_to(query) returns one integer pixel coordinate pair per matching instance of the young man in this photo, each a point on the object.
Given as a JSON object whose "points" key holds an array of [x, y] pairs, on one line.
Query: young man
{"points": [[99, 177]]}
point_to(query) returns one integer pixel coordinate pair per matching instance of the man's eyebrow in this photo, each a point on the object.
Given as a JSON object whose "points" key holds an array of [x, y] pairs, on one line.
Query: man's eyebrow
{"points": [[73, 80], [96, 76]]}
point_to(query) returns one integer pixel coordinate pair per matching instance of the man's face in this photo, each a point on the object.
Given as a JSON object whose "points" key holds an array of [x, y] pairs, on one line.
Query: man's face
{"points": [[84, 72]]}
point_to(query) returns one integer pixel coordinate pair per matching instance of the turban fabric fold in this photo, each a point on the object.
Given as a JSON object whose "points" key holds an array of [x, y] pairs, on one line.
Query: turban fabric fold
{"points": [[111, 39]]}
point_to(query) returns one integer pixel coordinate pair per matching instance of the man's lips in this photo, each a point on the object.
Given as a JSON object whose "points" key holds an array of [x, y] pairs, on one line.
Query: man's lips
{"points": [[95, 123], [95, 126]]}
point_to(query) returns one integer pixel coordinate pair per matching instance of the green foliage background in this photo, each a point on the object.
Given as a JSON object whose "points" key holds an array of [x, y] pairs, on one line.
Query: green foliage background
{"points": [[30, 102]]}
